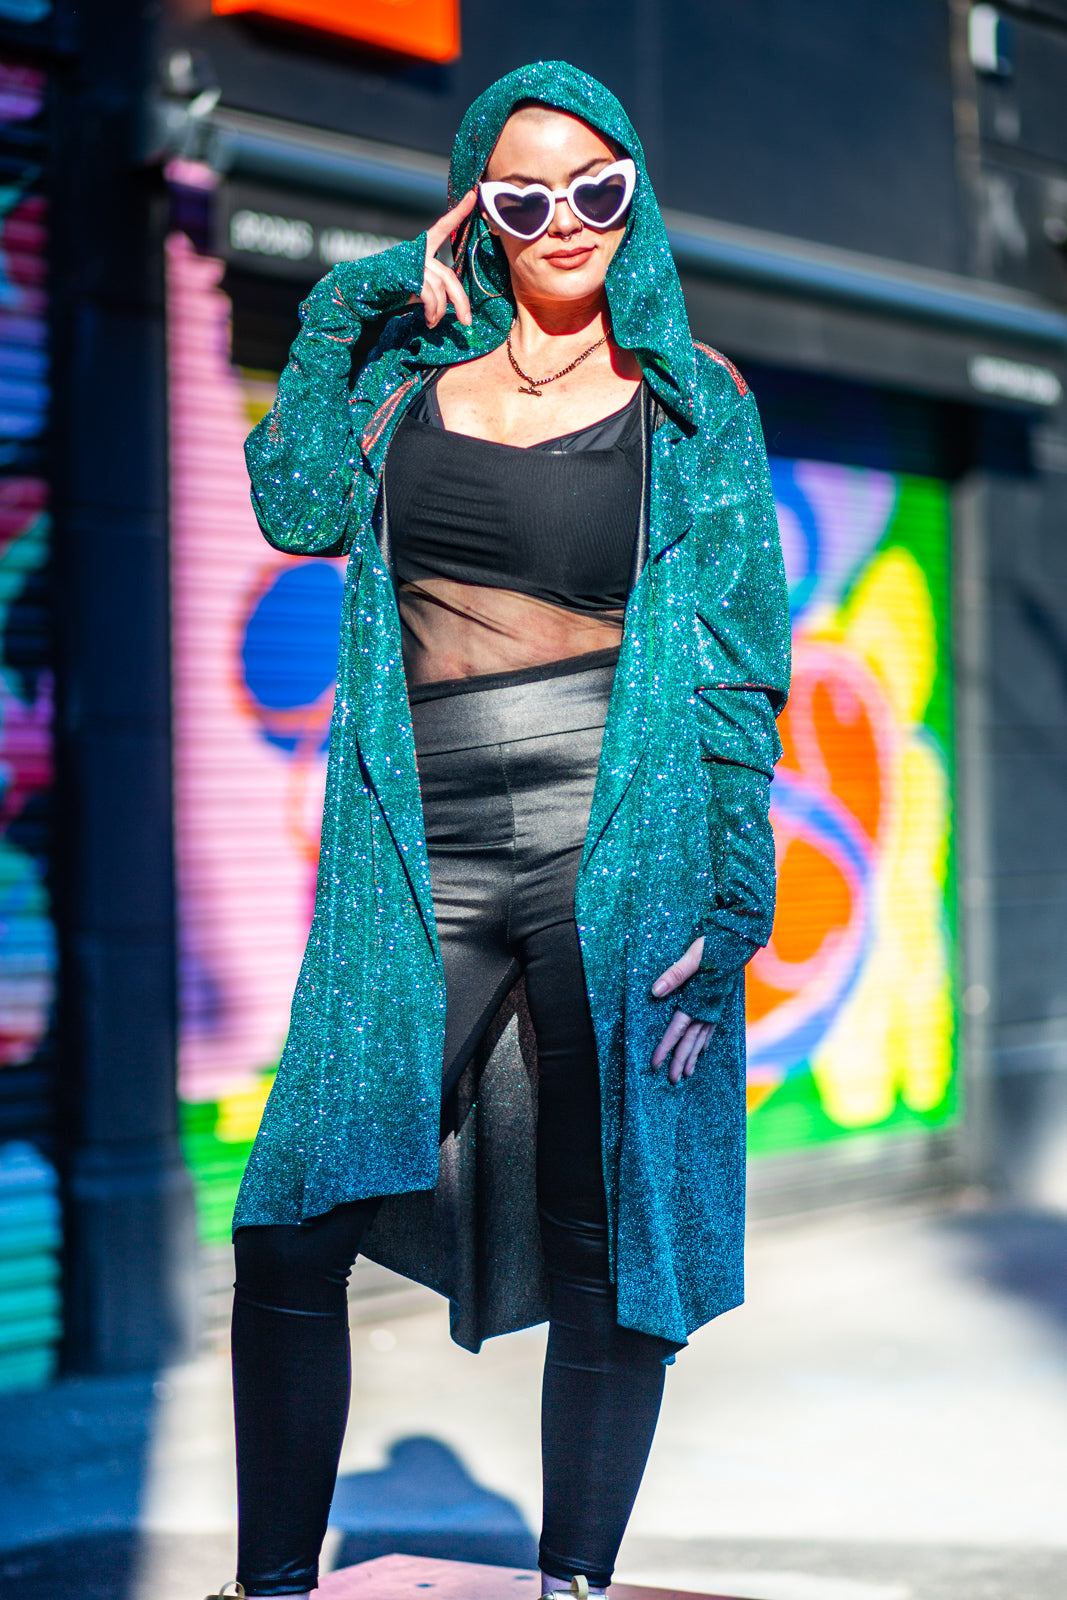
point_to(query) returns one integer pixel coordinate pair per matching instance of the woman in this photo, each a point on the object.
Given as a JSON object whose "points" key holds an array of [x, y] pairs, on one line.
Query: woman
{"points": [[520, 1014]]}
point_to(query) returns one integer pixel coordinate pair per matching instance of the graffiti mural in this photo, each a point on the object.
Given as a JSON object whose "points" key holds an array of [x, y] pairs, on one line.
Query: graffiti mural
{"points": [[850, 1009], [851, 1021], [30, 1229], [254, 654]]}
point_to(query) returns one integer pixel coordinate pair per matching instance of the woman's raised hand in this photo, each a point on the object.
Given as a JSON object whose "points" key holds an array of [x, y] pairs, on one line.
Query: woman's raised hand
{"points": [[684, 1039], [439, 283]]}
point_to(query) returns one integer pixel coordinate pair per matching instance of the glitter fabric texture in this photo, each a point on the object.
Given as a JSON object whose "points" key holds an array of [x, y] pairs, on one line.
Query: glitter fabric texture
{"points": [[678, 844]]}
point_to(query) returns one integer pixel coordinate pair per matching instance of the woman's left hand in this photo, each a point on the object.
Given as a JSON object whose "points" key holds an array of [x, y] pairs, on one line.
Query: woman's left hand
{"points": [[439, 283], [684, 1038]]}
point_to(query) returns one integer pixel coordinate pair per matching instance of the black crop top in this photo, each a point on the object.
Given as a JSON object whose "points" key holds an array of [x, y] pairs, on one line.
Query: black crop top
{"points": [[556, 520]]}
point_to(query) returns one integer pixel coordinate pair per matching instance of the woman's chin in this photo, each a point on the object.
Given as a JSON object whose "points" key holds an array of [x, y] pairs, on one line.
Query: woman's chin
{"points": [[568, 283]]}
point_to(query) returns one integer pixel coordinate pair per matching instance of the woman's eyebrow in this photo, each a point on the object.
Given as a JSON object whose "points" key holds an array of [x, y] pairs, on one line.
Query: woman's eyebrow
{"points": [[520, 178]]}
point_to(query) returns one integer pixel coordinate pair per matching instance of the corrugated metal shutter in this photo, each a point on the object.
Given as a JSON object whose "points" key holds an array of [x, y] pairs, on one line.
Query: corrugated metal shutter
{"points": [[254, 660], [30, 1225], [851, 1007]]}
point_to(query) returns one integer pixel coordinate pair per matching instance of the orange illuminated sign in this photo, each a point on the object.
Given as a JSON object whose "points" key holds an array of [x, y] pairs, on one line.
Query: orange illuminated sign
{"points": [[425, 28]]}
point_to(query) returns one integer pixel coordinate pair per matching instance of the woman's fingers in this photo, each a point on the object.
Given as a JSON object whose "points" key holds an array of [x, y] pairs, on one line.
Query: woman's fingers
{"points": [[435, 293], [439, 283], [433, 283], [683, 1042], [687, 1051], [432, 305], [706, 1031], [439, 286], [445, 226], [455, 292], [675, 1029], [684, 1052], [683, 1039], [679, 971]]}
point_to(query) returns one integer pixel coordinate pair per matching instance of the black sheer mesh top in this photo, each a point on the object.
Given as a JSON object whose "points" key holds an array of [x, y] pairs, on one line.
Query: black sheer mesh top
{"points": [[508, 557]]}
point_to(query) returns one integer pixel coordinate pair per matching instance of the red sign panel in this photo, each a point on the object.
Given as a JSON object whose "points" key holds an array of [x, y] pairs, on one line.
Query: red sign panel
{"points": [[425, 28]]}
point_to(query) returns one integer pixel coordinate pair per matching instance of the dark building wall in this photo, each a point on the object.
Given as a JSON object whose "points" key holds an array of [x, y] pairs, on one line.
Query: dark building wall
{"points": [[1015, 147], [1026, 708], [825, 121], [828, 121], [1018, 147]]}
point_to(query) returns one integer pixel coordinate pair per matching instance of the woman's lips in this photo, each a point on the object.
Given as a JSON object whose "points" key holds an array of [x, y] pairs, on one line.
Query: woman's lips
{"points": [[570, 258]]}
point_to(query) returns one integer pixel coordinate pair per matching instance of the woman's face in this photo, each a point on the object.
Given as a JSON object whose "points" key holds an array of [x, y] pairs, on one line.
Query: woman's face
{"points": [[570, 261]]}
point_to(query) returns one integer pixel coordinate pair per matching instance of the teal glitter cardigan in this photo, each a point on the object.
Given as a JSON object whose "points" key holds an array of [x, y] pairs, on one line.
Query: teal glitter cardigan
{"points": [[678, 843]]}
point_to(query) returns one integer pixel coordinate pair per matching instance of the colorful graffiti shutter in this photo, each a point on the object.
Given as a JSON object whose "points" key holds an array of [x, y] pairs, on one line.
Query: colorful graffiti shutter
{"points": [[851, 1017], [29, 1208], [851, 1022], [254, 653]]}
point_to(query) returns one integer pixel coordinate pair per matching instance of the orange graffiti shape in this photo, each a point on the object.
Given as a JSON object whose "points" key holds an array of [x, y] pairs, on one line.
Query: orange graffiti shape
{"points": [[836, 733]]}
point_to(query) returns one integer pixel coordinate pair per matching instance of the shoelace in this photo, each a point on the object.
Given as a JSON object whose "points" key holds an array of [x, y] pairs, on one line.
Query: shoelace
{"points": [[579, 1590]]}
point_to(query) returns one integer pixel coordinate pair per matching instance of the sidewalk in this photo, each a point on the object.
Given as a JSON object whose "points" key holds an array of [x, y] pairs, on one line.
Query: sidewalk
{"points": [[886, 1419]]}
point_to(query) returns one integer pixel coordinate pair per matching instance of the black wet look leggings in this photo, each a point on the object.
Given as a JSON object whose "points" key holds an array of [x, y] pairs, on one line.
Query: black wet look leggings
{"points": [[507, 778]]}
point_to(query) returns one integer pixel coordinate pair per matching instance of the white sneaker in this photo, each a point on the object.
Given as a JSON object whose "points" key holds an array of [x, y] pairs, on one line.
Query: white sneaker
{"points": [[579, 1590]]}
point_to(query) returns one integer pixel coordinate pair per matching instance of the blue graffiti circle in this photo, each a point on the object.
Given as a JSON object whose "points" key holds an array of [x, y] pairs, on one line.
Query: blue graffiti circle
{"points": [[804, 581], [289, 651]]}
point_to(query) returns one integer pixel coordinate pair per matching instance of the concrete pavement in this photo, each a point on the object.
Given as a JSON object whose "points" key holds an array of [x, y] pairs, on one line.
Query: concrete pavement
{"points": [[885, 1419]]}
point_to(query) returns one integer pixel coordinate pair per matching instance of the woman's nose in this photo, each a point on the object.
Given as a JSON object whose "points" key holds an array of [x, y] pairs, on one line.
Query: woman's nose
{"points": [[564, 222]]}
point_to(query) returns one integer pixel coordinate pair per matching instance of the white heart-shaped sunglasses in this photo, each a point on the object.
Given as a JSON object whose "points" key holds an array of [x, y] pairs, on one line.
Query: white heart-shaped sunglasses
{"points": [[598, 200]]}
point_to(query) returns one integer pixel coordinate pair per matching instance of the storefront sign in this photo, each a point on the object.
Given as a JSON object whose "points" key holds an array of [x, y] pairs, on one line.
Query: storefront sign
{"points": [[1015, 380], [425, 28], [297, 237]]}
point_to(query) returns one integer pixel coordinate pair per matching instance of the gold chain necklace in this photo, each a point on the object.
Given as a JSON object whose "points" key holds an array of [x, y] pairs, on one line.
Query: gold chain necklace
{"points": [[535, 385]]}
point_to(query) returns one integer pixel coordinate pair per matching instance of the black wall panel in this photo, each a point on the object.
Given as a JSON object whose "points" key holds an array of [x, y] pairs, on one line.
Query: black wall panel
{"points": [[829, 121]]}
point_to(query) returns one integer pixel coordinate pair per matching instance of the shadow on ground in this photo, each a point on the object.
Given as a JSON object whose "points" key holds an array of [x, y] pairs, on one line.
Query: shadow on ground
{"points": [[1021, 1253], [424, 1502], [72, 1469], [126, 1565]]}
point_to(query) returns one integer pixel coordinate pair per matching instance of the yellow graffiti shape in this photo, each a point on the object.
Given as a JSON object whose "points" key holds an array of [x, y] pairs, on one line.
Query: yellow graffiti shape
{"points": [[257, 392], [889, 619], [893, 1039], [240, 1113]]}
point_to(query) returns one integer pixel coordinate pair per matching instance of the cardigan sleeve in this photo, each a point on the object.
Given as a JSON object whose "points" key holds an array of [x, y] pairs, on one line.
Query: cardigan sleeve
{"points": [[302, 457], [742, 651]]}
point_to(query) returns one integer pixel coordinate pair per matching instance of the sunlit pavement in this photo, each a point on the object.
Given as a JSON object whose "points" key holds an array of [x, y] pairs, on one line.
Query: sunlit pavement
{"points": [[886, 1419]]}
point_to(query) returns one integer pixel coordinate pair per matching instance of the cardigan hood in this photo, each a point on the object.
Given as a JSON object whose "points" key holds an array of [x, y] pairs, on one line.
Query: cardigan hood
{"points": [[644, 294]]}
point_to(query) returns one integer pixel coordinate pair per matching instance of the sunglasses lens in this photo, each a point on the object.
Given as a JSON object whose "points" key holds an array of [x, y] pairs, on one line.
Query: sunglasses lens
{"points": [[600, 203], [524, 212]]}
